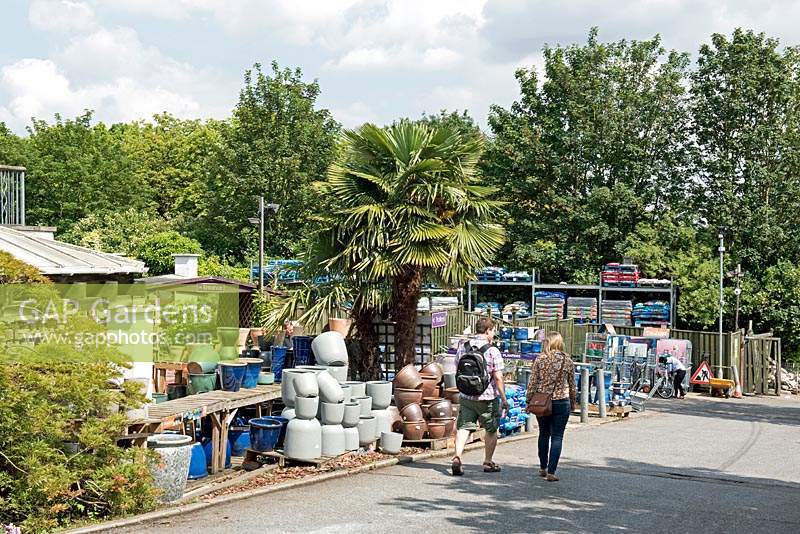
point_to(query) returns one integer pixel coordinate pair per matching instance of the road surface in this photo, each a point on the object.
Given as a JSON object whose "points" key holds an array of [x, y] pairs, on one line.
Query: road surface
{"points": [[698, 465]]}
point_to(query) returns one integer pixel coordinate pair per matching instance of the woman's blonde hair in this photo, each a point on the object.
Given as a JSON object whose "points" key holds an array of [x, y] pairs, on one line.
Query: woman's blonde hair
{"points": [[553, 342]]}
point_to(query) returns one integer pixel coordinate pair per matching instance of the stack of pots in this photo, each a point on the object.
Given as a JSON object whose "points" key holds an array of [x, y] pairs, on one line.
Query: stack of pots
{"points": [[438, 407], [423, 411], [300, 391], [408, 397], [380, 391], [332, 408], [330, 352]]}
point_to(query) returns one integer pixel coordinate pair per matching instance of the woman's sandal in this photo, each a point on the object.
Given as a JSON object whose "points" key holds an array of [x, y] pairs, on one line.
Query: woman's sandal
{"points": [[490, 467], [456, 467], [543, 473], [551, 478]]}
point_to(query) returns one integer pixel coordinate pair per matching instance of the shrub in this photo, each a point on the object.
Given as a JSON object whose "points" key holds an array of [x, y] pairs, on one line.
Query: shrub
{"points": [[156, 250], [14, 271]]}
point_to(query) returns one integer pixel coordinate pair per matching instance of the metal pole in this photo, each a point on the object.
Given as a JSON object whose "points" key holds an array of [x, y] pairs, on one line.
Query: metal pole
{"points": [[584, 394], [738, 291], [721, 302], [600, 378], [260, 243]]}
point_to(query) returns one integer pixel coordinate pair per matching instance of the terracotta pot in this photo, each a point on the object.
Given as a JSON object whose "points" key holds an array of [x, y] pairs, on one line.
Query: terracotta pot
{"points": [[454, 410], [436, 430], [453, 395], [404, 396], [408, 377], [430, 385], [433, 368], [255, 333], [414, 430], [442, 408], [449, 423], [340, 325], [425, 410], [411, 412]]}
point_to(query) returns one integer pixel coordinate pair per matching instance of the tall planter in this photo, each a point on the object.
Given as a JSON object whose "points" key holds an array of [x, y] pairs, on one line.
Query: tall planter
{"points": [[171, 471]]}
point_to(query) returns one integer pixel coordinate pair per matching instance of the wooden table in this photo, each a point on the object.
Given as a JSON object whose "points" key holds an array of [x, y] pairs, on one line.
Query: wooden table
{"points": [[160, 374], [221, 406]]}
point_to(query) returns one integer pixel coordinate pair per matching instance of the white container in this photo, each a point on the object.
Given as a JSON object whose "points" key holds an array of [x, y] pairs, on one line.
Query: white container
{"points": [[288, 413], [303, 439], [366, 404], [357, 389], [333, 440], [346, 391], [332, 413], [383, 422], [338, 371], [366, 430], [352, 411], [287, 385], [306, 407], [317, 369], [351, 438], [381, 393], [329, 388], [391, 442], [305, 385], [329, 347]]}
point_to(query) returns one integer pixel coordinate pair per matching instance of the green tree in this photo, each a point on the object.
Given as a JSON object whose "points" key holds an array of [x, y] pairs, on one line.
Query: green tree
{"points": [[119, 231], [156, 250], [12, 148]]}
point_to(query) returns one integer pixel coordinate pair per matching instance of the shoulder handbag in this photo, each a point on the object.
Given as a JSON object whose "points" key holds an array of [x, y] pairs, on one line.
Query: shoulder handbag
{"points": [[541, 404]]}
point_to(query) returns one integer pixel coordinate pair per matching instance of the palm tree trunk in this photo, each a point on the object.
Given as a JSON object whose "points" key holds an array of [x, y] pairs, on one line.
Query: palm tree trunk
{"points": [[406, 290], [364, 364]]}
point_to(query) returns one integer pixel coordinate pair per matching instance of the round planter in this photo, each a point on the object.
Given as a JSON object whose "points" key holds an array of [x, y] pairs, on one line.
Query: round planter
{"points": [[365, 402], [172, 470], [394, 417], [414, 430], [338, 371], [381, 393], [240, 441], [357, 389], [442, 408], [329, 347], [264, 433], [158, 398], [351, 438], [408, 377], [202, 383], [434, 369], [453, 395], [278, 357], [329, 388], [303, 439], [306, 407], [383, 422], [449, 380], [366, 430], [265, 378], [201, 368], [252, 371], [288, 413], [284, 421], [404, 396], [316, 368], [256, 333], [411, 412], [340, 325], [430, 385], [346, 392], [305, 384], [391, 442], [287, 385], [197, 462], [436, 430], [352, 411], [232, 375], [333, 440], [449, 424], [332, 413], [425, 407]]}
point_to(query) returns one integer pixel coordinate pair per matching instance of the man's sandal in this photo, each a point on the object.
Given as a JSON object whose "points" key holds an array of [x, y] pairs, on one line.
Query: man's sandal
{"points": [[490, 467], [551, 478], [543, 473], [456, 467]]}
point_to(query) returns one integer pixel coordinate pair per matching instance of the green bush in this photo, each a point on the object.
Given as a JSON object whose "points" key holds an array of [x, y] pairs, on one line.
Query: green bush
{"points": [[156, 250], [14, 271]]}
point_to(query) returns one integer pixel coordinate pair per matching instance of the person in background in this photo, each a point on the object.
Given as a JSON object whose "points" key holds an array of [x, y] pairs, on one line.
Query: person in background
{"points": [[288, 333], [553, 372], [675, 366], [488, 407]]}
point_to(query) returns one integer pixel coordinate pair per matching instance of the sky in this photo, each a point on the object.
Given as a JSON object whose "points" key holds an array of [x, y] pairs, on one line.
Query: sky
{"points": [[375, 60]]}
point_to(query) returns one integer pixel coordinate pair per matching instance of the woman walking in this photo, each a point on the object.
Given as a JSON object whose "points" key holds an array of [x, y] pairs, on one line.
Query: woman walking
{"points": [[552, 374]]}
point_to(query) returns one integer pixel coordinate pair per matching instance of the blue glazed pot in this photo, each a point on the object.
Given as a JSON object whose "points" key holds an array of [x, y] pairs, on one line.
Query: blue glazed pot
{"points": [[521, 334], [278, 361], [251, 372], [506, 332], [197, 464], [264, 433], [232, 375], [207, 450], [302, 350], [283, 421], [239, 441]]}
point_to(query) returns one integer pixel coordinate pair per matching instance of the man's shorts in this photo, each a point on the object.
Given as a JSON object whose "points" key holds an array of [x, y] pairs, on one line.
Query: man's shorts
{"points": [[472, 412]]}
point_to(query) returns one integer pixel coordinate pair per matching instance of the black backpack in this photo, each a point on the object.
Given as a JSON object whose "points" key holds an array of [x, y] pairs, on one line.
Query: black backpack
{"points": [[472, 377]]}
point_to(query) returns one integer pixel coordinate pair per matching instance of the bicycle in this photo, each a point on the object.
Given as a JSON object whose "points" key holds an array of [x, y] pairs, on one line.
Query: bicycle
{"points": [[665, 387]]}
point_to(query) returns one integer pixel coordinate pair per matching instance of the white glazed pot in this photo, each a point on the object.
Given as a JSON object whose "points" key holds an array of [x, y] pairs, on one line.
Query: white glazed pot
{"points": [[357, 389], [333, 441], [317, 369], [352, 411], [346, 391], [391, 442], [381, 393], [329, 388], [303, 439], [383, 422], [329, 347], [306, 407], [338, 371], [305, 384], [351, 438], [288, 413], [332, 413], [366, 404], [366, 430], [287, 385]]}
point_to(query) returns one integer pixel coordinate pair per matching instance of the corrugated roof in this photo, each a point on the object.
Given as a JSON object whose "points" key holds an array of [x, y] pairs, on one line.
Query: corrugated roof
{"points": [[53, 257]]}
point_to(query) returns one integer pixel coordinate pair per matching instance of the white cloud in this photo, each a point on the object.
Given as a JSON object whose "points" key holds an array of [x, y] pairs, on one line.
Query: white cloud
{"points": [[61, 15]]}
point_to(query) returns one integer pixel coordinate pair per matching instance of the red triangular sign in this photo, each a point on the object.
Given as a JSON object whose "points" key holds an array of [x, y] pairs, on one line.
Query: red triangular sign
{"points": [[702, 374]]}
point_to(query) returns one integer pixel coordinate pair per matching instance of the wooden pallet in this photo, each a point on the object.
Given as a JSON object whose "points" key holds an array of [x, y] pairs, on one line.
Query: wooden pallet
{"points": [[254, 459], [432, 444]]}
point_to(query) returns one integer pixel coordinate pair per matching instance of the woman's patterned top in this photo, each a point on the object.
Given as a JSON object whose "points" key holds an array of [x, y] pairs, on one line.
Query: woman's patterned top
{"points": [[546, 372]]}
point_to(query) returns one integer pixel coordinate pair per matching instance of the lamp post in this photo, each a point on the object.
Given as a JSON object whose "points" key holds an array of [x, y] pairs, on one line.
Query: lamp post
{"points": [[260, 222], [721, 300]]}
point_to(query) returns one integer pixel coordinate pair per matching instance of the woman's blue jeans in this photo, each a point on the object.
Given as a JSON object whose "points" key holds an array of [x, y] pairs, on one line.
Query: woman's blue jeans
{"points": [[551, 435]]}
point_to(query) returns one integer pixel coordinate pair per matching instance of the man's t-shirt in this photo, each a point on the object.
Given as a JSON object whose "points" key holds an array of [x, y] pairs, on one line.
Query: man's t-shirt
{"points": [[494, 362], [675, 364]]}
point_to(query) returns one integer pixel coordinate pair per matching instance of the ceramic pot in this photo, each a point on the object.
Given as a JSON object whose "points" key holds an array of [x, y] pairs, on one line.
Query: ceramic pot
{"points": [[434, 369], [366, 430], [329, 388], [394, 417], [172, 471], [287, 385], [158, 398], [347, 395], [403, 396], [365, 402], [264, 433], [425, 410], [339, 371], [265, 378], [305, 384], [210, 454], [176, 391], [351, 438], [449, 380], [316, 368], [303, 439], [453, 395], [436, 430], [454, 410], [333, 440], [288, 413], [411, 412], [442, 408], [329, 347], [256, 333], [391, 442], [232, 375], [197, 462], [278, 361], [251, 372], [239, 441], [201, 368], [340, 325], [357, 389], [414, 430], [408, 377], [352, 411], [282, 436], [332, 413], [381, 393], [448, 422], [306, 407], [383, 422], [430, 385], [202, 353]]}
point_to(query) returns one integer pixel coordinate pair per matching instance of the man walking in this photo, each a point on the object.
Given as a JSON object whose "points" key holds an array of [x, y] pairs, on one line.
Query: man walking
{"points": [[486, 408]]}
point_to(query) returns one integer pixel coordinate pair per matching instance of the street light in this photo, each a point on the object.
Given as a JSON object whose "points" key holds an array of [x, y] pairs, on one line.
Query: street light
{"points": [[260, 222], [721, 299]]}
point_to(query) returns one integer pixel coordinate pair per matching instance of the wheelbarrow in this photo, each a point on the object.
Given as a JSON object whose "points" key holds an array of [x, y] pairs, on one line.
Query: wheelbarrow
{"points": [[721, 387]]}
